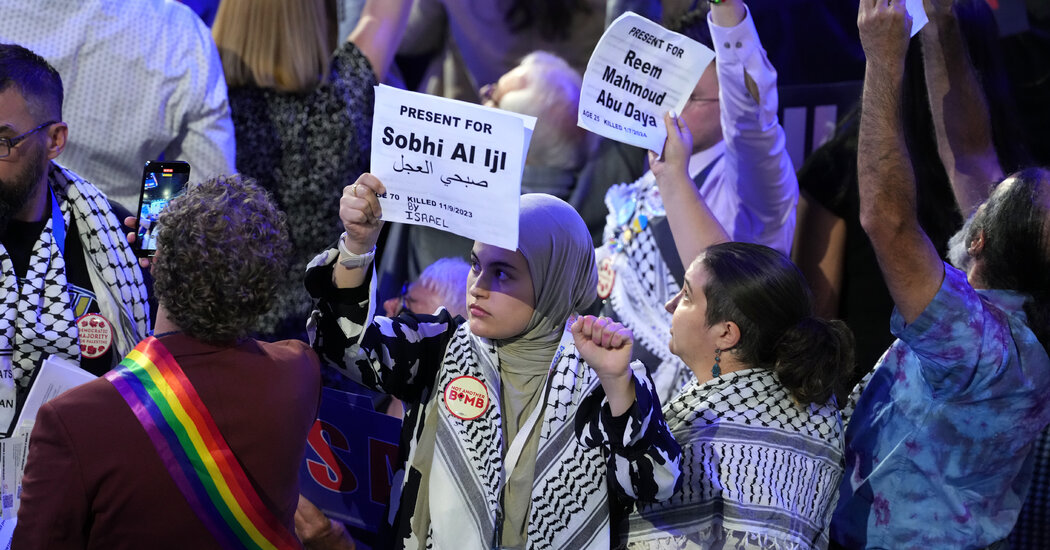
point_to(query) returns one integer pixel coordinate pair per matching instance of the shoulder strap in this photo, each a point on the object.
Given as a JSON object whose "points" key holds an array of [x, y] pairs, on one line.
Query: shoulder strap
{"points": [[194, 452]]}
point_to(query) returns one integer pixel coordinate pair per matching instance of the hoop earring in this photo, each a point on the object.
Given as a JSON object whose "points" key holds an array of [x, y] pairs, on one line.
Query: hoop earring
{"points": [[716, 370]]}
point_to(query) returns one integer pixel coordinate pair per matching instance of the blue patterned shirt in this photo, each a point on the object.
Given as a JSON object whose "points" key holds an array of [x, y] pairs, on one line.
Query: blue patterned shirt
{"points": [[938, 450]]}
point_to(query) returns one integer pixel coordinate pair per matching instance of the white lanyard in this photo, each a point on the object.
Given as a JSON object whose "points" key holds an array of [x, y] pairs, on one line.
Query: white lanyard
{"points": [[518, 444]]}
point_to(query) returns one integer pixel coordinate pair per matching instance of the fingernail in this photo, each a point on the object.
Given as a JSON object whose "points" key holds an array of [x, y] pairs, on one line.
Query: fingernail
{"points": [[673, 114]]}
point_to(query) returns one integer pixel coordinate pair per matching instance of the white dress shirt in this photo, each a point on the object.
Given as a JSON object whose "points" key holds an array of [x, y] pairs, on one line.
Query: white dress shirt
{"points": [[142, 79], [751, 189]]}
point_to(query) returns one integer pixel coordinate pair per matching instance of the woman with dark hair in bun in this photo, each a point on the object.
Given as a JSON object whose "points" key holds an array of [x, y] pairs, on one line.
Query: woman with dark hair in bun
{"points": [[760, 428]]}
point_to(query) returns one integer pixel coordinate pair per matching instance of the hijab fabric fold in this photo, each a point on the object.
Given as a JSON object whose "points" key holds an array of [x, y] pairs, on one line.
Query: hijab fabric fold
{"points": [[560, 255], [558, 248]]}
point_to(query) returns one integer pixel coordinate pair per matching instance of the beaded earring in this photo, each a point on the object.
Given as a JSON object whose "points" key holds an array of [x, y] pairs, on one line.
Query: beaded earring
{"points": [[716, 370]]}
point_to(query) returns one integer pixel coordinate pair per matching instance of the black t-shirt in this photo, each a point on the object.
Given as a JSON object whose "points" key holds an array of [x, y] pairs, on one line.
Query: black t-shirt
{"points": [[19, 240], [829, 177]]}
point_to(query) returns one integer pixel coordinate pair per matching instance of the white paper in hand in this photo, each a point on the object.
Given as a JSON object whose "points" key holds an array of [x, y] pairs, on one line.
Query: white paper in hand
{"points": [[55, 376], [450, 165], [639, 71], [918, 15], [7, 531]]}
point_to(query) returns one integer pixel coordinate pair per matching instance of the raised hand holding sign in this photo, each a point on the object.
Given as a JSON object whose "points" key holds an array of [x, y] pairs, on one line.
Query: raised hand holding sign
{"points": [[450, 165], [639, 71]]}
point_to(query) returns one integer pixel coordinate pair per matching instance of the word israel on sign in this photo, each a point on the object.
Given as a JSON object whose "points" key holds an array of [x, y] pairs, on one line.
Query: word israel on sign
{"points": [[639, 71], [450, 165]]}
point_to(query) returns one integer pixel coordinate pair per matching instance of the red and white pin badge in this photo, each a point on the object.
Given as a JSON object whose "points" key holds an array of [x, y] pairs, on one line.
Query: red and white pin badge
{"points": [[466, 397], [96, 335]]}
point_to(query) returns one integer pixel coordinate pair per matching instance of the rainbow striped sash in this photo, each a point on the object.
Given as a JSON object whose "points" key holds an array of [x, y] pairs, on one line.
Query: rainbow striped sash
{"points": [[195, 453]]}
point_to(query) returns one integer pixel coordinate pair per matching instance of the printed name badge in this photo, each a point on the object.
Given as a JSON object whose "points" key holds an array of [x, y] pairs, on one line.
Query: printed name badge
{"points": [[606, 278], [466, 397], [96, 335]]}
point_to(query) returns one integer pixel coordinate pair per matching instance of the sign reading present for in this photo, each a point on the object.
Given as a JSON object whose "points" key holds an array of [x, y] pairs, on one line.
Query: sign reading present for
{"points": [[450, 165], [639, 71]]}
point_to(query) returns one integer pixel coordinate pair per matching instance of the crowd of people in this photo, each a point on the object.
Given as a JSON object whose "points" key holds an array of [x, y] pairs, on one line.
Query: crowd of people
{"points": [[709, 345]]}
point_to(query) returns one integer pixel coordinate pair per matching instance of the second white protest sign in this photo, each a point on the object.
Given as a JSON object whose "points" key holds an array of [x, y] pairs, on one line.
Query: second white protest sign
{"points": [[450, 165], [639, 71]]}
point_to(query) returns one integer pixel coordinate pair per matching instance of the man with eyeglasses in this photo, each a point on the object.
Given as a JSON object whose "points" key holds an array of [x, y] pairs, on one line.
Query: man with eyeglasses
{"points": [[740, 166], [71, 286]]}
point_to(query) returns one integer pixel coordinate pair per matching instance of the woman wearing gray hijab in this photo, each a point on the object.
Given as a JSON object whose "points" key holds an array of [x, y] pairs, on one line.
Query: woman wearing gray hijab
{"points": [[522, 418]]}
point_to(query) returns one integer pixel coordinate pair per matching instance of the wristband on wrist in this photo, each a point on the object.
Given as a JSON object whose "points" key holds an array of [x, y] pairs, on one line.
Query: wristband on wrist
{"points": [[350, 260], [716, 1]]}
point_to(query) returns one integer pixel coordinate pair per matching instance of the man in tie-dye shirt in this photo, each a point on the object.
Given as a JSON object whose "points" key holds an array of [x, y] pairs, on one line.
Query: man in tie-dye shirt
{"points": [[938, 448]]}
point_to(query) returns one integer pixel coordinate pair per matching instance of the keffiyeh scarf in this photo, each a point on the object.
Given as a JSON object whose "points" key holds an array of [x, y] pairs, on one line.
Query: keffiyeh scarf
{"points": [[758, 470], [36, 318], [569, 497], [643, 284]]}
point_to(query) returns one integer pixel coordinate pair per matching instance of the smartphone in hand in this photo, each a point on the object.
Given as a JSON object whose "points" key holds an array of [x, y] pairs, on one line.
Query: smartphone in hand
{"points": [[161, 182]]}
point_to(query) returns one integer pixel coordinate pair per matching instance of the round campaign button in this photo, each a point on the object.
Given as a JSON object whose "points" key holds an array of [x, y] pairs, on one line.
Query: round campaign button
{"points": [[606, 278], [466, 397], [96, 335]]}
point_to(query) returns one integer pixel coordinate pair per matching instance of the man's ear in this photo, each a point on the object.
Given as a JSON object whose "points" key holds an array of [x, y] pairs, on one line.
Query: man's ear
{"points": [[56, 139], [976, 244]]}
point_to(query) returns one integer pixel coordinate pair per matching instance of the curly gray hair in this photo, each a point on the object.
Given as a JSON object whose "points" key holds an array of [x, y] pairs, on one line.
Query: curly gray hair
{"points": [[221, 247]]}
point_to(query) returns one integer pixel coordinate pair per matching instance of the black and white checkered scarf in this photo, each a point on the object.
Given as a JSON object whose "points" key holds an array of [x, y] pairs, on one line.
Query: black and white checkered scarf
{"points": [[36, 318], [758, 471], [569, 496], [644, 284]]}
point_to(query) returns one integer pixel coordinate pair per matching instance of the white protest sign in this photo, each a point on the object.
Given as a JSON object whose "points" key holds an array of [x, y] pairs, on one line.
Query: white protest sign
{"points": [[918, 15], [55, 376], [639, 71], [450, 165], [7, 531]]}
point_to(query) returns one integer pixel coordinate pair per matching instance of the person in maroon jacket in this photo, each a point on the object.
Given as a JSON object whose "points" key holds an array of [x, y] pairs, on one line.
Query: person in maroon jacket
{"points": [[94, 478]]}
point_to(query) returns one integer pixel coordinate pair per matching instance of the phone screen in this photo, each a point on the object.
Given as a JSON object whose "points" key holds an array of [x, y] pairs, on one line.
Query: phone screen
{"points": [[161, 182]]}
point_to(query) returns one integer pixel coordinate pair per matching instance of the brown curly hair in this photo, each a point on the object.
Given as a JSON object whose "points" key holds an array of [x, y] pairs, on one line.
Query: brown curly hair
{"points": [[222, 246]]}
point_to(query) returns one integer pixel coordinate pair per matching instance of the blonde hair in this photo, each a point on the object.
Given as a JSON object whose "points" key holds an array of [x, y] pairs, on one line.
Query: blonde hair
{"points": [[285, 45]]}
